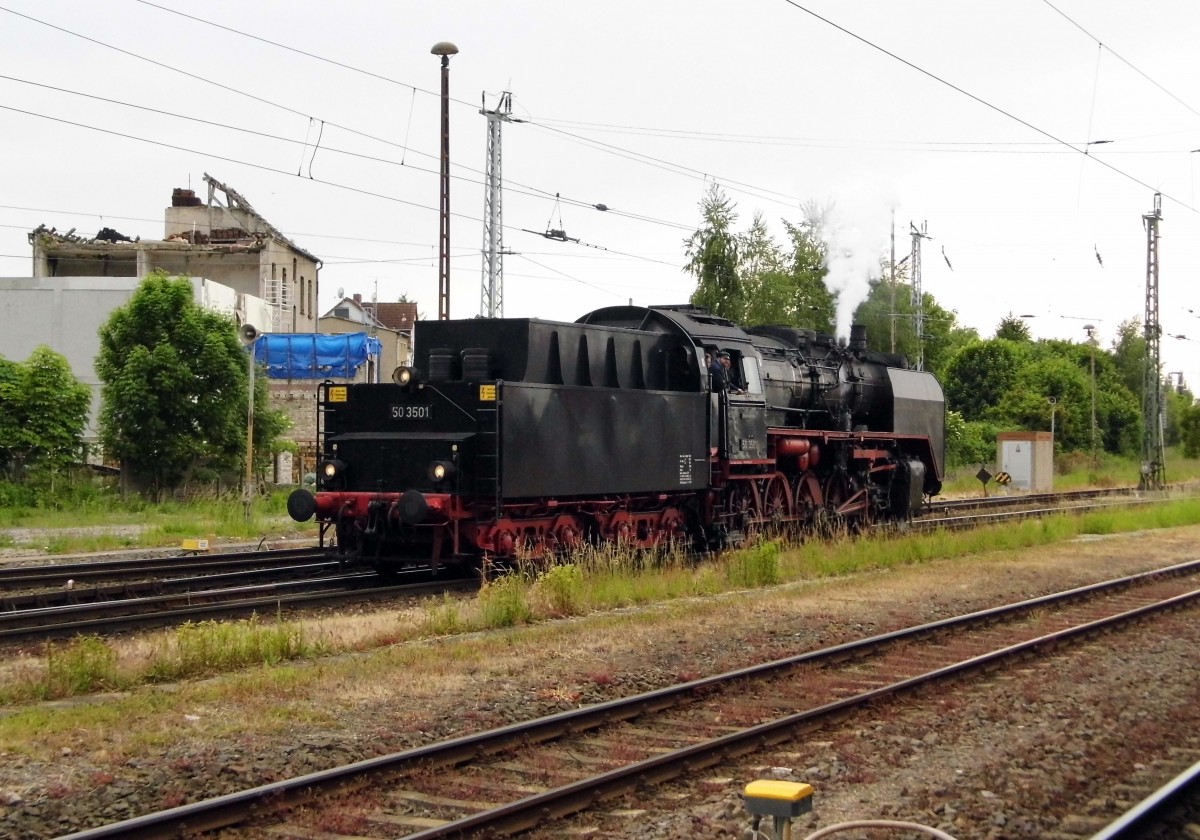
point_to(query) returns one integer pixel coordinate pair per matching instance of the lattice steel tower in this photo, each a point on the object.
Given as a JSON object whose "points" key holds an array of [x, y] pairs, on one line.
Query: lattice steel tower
{"points": [[491, 298], [1153, 452], [918, 297]]}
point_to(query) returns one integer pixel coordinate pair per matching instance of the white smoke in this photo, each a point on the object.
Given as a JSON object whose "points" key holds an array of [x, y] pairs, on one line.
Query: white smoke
{"points": [[856, 229]]}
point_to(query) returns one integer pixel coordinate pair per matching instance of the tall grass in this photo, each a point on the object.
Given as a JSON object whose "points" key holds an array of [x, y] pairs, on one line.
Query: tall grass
{"points": [[82, 666], [88, 663], [592, 579]]}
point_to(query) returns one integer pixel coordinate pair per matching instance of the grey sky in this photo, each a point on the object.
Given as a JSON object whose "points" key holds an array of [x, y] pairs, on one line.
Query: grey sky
{"points": [[636, 106]]}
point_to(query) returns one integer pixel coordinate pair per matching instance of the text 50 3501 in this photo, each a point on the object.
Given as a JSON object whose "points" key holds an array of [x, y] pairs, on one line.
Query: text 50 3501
{"points": [[412, 412]]}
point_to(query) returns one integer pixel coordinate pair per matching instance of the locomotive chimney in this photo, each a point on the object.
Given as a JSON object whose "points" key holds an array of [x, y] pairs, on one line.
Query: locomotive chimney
{"points": [[858, 337]]}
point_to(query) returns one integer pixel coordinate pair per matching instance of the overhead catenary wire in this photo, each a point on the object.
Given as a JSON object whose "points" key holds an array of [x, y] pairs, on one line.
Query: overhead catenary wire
{"points": [[514, 187], [758, 192], [795, 4], [275, 170], [1117, 56]]}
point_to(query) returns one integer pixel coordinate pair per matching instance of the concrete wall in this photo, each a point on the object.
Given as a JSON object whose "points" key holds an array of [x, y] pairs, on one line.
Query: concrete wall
{"points": [[66, 313], [264, 271]]}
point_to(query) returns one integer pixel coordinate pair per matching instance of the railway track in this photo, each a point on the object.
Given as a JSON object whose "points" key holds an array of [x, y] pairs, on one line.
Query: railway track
{"points": [[93, 571], [205, 600], [62, 600], [1165, 814], [518, 777]]}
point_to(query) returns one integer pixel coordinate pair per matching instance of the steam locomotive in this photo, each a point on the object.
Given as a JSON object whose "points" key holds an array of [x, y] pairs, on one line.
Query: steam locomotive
{"points": [[521, 435]]}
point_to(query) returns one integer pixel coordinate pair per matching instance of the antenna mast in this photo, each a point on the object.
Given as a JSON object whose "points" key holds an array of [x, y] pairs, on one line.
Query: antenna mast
{"points": [[918, 297], [1153, 452], [491, 297]]}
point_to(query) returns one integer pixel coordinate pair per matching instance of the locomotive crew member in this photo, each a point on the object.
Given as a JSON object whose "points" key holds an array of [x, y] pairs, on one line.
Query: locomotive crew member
{"points": [[726, 364], [718, 376]]}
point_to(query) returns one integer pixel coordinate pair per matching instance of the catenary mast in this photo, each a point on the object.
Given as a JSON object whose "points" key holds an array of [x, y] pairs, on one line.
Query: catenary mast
{"points": [[491, 297], [1153, 451]]}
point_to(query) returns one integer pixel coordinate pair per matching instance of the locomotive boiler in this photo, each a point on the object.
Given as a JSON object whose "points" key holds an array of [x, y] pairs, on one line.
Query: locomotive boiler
{"points": [[522, 435]]}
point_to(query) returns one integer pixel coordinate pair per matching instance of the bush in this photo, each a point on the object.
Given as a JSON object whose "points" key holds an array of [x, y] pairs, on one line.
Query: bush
{"points": [[971, 442], [210, 647], [17, 495], [84, 665], [503, 601], [442, 618], [561, 589], [757, 565]]}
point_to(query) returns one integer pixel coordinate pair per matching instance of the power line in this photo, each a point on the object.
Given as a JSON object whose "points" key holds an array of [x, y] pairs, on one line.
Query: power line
{"points": [[806, 142], [1115, 55], [336, 185], [748, 189], [675, 168], [198, 78], [524, 189], [987, 104]]}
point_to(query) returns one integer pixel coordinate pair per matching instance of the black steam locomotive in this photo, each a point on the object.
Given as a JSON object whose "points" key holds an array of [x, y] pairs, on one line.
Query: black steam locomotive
{"points": [[521, 435]]}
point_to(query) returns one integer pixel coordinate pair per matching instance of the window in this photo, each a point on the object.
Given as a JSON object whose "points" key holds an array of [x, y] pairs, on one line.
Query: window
{"points": [[750, 374]]}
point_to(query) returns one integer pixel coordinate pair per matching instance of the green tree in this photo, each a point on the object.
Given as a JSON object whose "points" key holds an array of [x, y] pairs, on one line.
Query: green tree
{"points": [[43, 411], [792, 291], [980, 374], [1129, 354], [947, 346], [56, 409], [1026, 403], [1013, 328], [11, 379], [714, 257], [174, 386], [887, 314], [1177, 399], [890, 319], [1189, 426]]}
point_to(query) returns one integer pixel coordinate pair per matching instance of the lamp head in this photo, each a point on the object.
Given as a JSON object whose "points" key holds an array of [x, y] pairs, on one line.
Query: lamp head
{"points": [[444, 48]]}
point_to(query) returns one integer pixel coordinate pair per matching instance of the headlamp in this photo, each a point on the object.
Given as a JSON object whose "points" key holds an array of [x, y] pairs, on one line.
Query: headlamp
{"points": [[440, 471]]}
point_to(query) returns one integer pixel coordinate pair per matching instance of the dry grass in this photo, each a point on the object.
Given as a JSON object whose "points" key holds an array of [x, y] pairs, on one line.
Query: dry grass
{"points": [[418, 682]]}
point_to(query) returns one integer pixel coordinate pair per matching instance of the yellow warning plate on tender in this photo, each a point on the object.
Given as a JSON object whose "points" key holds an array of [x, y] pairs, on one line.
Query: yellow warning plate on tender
{"points": [[337, 393], [487, 393]]}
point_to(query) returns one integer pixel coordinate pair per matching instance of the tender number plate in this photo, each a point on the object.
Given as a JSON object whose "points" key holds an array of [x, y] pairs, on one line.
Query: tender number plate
{"points": [[412, 412]]}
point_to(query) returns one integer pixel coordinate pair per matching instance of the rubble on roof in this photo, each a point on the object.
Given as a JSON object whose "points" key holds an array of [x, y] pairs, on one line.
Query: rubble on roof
{"points": [[106, 235]]}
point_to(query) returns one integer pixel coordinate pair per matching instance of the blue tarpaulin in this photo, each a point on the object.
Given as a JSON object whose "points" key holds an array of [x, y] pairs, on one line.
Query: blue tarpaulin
{"points": [[312, 356]]}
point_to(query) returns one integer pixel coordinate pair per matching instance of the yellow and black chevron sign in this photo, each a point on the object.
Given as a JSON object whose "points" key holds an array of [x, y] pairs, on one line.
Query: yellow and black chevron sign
{"points": [[1003, 478]]}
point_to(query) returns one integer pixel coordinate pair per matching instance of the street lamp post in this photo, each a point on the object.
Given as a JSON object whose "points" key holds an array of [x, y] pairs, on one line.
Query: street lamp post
{"points": [[1091, 334], [445, 49]]}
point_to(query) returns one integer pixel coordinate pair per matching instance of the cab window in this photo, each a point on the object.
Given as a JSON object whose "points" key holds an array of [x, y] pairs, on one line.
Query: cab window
{"points": [[750, 375]]}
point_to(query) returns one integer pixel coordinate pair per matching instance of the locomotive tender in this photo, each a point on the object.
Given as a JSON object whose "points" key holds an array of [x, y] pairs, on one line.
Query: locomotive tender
{"points": [[521, 435]]}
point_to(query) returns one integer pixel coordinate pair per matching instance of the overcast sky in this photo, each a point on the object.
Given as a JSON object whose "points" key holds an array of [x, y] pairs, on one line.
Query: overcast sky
{"points": [[637, 106]]}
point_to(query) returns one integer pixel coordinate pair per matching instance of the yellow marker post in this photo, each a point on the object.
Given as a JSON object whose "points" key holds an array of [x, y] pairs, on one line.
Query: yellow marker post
{"points": [[783, 801]]}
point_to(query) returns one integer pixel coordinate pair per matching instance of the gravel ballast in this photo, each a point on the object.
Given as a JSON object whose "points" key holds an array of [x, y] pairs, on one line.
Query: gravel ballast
{"points": [[1052, 748]]}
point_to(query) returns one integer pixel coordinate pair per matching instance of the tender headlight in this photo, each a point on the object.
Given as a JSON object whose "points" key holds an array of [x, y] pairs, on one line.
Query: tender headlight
{"points": [[402, 376], [440, 471], [331, 470]]}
